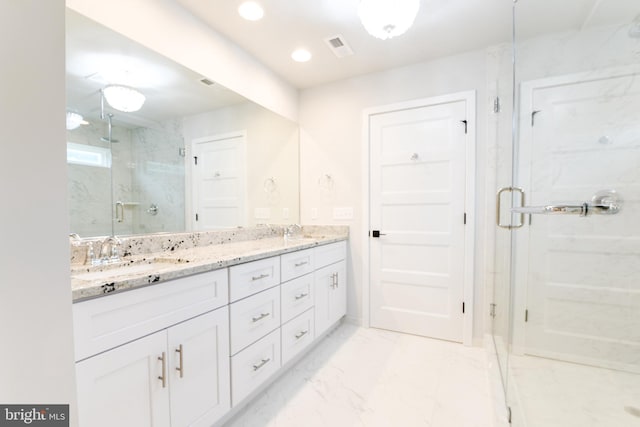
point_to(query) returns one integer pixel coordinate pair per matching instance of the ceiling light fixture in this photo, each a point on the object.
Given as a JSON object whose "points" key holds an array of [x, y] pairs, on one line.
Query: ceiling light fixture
{"points": [[74, 120], [123, 98], [251, 11], [385, 19], [301, 55]]}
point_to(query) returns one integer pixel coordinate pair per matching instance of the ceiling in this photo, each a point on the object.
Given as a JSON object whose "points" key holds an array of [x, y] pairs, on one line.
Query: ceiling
{"points": [[442, 28]]}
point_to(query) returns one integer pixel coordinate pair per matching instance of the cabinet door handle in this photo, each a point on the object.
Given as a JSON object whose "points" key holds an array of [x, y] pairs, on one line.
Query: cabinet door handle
{"points": [[300, 296], [163, 377], [261, 364], [258, 318], [260, 277], [300, 264], [301, 334], [334, 280], [180, 368]]}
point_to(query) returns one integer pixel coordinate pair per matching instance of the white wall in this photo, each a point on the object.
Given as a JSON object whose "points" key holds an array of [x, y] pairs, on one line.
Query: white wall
{"points": [[331, 143], [36, 361], [170, 30]]}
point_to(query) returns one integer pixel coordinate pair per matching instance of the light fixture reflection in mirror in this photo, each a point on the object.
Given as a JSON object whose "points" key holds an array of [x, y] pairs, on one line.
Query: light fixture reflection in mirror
{"points": [[123, 98], [75, 120]]}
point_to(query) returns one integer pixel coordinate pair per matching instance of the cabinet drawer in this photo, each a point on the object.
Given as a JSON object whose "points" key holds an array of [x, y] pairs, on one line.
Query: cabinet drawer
{"points": [[296, 264], [107, 322], [254, 317], [254, 365], [297, 334], [329, 254], [296, 296], [252, 277]]}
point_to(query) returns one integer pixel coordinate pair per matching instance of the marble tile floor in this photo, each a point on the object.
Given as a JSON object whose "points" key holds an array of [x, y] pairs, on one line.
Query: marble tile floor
{"points": [[359, 377], [553, 393]]}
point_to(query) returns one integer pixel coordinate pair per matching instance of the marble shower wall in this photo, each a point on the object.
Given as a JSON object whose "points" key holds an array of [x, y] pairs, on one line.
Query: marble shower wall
{"points": [[158, 178], [146, 169], [89, 187]]}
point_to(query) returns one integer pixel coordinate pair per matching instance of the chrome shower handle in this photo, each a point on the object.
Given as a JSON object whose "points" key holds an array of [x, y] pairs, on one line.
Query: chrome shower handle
{"points": [[499, 204], [605, 202], [119, 211]]}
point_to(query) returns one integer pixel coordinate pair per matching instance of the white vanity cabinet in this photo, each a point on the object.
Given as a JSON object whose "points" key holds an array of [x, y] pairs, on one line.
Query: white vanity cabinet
{"points": [[296, 264], [121, 388], [330, 280], [177, 374], [191, 352]]}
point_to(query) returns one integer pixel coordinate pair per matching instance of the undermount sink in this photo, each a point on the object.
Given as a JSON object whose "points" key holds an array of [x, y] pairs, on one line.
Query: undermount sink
{"points": [[116, 270]]}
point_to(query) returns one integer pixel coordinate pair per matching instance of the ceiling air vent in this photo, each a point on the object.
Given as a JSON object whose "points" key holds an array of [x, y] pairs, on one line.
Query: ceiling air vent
{"points": [[338, 46], [206, 81]]}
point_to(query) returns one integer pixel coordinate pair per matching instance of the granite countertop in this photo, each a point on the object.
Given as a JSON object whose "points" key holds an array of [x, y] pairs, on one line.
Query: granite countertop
{"points": [[151, 268]]}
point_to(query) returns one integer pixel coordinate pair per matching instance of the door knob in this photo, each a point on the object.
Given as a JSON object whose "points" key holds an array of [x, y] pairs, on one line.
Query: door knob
{"points": [[377, 233]]}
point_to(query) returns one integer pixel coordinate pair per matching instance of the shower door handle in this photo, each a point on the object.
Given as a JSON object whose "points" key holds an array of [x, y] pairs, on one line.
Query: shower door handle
{"points": [[499, 205], [119, 211], [605, 202]]}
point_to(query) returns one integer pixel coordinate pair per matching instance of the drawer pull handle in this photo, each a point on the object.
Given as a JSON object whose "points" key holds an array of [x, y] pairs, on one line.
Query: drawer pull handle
{"points": [[163, 377], [180, 361], [258, 318], [260, 277], [334, 280], [301, 334], [300, 296], [261, 364], [300, 264]]}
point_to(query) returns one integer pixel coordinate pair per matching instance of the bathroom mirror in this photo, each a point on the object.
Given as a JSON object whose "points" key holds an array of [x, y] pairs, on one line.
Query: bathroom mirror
{"points": [[136, 173]]}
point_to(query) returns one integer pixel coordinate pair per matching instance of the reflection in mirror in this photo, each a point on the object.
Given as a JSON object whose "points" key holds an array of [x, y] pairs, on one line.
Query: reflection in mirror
{"points": [[141, 177]]}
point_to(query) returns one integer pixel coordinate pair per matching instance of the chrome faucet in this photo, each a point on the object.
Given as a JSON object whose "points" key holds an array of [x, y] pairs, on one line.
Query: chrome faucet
{"points": [[109, 250], [291, 230]]}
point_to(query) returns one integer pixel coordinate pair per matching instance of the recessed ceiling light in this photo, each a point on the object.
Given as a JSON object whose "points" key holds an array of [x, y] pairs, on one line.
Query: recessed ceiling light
{"points": [[301, 55], [251, 11]]}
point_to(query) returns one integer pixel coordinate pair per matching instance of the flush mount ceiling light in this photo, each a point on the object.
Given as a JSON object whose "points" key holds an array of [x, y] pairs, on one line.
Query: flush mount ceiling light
{"points": [[385, 19], [301, 55], [123, 98], [251, 11], [74, 120]]}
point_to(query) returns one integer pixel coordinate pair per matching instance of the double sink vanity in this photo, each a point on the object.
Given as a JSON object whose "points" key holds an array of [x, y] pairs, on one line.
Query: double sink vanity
{"points": [[186, 328]]}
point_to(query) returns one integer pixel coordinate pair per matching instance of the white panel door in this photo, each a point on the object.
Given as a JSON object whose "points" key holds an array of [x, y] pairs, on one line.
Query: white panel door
{"points": [[199, 369], [121, 387], [580, 273], [218, 182], [417, 203]]}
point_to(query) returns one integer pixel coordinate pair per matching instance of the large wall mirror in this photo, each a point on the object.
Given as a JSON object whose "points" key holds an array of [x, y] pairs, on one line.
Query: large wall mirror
{"points": [[195, 156]]}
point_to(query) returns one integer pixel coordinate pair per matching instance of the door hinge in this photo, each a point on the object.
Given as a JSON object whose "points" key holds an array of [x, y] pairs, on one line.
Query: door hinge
{"points": [[195, 160], [197, 217], [492, 310], [496, 105], [526, 315], [533, 116], [463, 307], [509, 414], [465, 125], [465, 219]]}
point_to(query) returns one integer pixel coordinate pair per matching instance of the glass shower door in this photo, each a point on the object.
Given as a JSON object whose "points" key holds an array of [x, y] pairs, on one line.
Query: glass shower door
{"points": [[575, 325]]}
